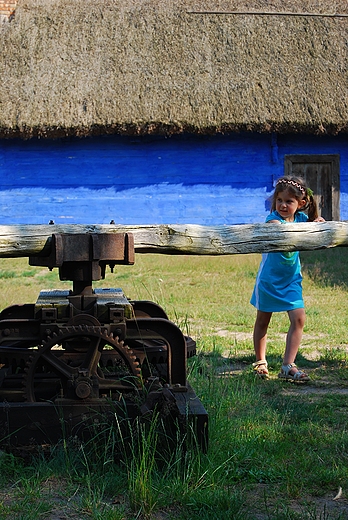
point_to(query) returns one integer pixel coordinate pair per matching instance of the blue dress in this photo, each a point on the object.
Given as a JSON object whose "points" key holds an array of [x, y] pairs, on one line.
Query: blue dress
{"points": [[278, 285]]}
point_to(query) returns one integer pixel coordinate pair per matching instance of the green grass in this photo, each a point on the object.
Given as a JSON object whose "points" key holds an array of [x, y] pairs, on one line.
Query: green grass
{"points": [[276, 450]]}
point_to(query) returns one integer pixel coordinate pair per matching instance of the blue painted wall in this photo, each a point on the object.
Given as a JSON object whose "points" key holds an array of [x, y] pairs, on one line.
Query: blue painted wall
{"points": [[151, 180]]}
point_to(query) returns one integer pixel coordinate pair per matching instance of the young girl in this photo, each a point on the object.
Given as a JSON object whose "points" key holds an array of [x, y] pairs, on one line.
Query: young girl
{"points": [[278, 284]]}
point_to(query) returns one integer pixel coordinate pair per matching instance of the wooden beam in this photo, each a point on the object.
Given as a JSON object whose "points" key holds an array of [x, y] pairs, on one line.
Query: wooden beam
{"points": [[27, 240]]}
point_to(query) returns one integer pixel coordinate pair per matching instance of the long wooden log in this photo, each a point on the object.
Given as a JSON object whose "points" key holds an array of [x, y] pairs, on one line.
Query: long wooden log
{"points": [[26, 240]]}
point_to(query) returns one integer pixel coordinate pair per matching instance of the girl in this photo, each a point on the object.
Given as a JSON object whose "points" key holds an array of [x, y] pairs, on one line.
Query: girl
{"points": [[278, 284]]}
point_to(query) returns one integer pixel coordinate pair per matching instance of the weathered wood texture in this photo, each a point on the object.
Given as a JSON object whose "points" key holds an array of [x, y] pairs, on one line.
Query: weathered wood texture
{"points": [[26, 240]]}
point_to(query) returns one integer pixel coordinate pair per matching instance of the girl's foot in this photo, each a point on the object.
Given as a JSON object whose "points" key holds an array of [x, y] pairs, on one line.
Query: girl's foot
{"points": [[260, 369], [290, 372]]}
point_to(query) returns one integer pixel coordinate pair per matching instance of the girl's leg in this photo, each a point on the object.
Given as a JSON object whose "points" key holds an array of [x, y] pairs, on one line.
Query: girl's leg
{"points": [[293, 339], [260, 334]]}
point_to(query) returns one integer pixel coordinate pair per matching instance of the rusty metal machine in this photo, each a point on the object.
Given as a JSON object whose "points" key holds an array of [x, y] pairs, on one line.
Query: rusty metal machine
{"points": [[80, 357]]}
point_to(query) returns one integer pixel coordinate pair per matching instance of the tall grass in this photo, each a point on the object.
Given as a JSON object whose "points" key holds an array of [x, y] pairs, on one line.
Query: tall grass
{"points": [[276, 450]]}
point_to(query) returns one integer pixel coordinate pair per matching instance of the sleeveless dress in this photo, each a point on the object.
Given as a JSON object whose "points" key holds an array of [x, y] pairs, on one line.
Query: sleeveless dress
{"points": [[278, 285]]}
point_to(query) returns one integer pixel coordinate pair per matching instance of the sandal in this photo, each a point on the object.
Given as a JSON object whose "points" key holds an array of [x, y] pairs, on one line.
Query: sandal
{"points": [[260, 369], [297, 376]]}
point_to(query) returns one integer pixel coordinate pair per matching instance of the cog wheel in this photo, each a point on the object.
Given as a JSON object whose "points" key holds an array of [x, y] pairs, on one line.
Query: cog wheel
{"points": [[101, 366]]}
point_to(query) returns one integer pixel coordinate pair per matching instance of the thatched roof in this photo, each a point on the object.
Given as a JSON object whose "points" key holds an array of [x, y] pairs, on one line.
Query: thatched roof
{"points": [[80, 67]]}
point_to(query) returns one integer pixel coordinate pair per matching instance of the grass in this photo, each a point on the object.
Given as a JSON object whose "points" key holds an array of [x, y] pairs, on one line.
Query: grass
{"points": [[276, 451]]}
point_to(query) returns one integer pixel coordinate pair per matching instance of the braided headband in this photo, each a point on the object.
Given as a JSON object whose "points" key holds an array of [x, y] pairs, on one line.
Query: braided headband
{"points": [[293, 183]]}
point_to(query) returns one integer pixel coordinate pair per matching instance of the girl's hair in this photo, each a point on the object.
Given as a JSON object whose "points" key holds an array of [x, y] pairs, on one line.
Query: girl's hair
{"points": [[299, 190]]}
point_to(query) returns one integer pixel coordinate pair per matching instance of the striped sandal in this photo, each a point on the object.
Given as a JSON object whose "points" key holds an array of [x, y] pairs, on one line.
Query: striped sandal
{"points": [[260, 369], [298, 376]]}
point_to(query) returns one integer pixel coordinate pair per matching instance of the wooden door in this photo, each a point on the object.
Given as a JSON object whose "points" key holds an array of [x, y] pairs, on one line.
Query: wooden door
{"points": [[322, 174]]}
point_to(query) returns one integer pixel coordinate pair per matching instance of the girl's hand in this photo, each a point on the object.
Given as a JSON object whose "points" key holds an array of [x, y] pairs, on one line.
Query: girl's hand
{"points": [[319, 219]]}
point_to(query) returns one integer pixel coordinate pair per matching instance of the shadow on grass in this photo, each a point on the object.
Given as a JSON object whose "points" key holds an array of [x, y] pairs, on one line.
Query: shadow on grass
{"points": [[246, 360], [327, 268], [298, 431]]}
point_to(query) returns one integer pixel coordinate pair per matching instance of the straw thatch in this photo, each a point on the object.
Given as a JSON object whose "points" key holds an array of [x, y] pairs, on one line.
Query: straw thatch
{"points": [[83, 67]]}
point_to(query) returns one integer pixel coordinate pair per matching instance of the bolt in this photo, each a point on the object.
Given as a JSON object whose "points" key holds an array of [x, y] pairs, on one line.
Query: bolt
{"points": [[83, 390]]}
